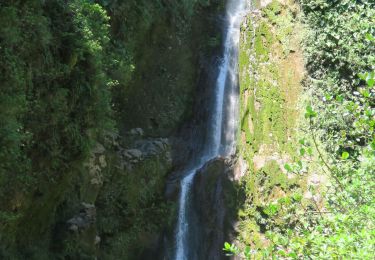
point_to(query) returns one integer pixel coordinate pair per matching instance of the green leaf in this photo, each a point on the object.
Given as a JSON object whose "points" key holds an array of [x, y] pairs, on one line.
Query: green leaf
{"points": [[370, 37], [302, 151], [372, 145], [328, 97], [297, 197], [363, 76], [227, 246], [310, 113], [247, 252], [370, 82], [288, 167], [339, 98], [345, 155], [365, 93], [271, 210]]}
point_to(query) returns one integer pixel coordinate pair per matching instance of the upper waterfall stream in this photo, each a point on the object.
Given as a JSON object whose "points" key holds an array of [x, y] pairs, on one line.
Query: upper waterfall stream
{"points": [[222, 125]]}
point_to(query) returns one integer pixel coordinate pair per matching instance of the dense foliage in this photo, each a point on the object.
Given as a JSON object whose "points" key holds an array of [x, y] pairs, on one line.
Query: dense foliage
{"points": [[335, 218], [341, 63], [74, 74], [54, 98], [54, 103]]}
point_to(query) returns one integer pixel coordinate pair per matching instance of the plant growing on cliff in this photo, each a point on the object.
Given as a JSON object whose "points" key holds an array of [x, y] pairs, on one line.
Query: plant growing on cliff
{"points": [[336, 219]]}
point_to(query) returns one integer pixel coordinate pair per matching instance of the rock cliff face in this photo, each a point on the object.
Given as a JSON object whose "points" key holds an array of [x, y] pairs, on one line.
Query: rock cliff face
{"points": [[169, 55], [212, 192], [271, 73], [215, 201]]}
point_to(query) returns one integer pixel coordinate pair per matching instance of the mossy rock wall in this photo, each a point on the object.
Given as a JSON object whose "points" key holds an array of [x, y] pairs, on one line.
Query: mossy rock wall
{"points": [[270, 70]]}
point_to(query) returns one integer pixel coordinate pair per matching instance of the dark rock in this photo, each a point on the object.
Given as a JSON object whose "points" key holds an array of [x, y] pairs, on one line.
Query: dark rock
{"points": [[152, 147], [133, 154], [85, 218], [209, 200], [172, 190], [99, 149], [137, 131]]}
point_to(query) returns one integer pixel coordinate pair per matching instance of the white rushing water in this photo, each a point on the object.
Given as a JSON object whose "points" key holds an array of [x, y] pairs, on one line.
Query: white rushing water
{"points": [[223, 121]]}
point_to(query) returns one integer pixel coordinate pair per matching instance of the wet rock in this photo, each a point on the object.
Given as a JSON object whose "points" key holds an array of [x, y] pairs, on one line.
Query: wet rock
{"points": [[172, 190], [209, 198], [137, 131], [99, 149], [152, 147], [160, 144], [112, 138], [73, 228], [133, 154], [84, 219], [77, 223]]}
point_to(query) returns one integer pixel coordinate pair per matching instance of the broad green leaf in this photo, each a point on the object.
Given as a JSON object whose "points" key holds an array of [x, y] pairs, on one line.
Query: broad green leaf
{"points": [[247, 252], [310, 112], [363, 76], [339, 98], [297, 197], [271, 210], [328, 97], [373, 145], [345, 155], [370, 82], [370, 37], [366, 93], [288, 167]]}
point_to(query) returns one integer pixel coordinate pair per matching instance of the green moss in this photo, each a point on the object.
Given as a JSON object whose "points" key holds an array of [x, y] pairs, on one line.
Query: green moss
{"points": [[274, 175], [267, 113], [275, 7], [262, 42]]}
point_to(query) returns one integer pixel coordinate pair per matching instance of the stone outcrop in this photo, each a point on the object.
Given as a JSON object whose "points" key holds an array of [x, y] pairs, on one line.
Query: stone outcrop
{"points": [[212, 193]]}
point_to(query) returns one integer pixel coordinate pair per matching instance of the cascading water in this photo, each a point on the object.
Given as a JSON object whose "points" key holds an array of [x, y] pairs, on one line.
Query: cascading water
{"points": [[222, 125]]}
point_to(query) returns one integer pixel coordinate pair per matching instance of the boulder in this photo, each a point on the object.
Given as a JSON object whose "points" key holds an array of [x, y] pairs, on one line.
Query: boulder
{"points": [[137, 131], [84, 219], [133, 154]]}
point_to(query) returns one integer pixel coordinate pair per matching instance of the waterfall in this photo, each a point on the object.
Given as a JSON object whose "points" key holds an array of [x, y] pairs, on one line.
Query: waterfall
{"points": [[222, 123]]}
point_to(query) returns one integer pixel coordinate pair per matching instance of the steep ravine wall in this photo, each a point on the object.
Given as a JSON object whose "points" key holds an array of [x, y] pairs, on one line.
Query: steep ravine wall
{"points": [[271, 74]]}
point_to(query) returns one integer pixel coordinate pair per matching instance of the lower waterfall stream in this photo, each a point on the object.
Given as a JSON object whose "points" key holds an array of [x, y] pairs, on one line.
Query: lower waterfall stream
{"points": [[222, 124]]}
